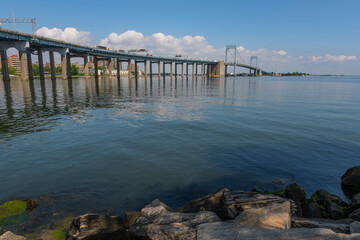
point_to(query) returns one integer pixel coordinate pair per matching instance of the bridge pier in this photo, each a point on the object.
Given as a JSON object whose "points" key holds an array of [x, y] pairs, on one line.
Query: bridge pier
{"points": [[64, 67], [218, 70], [86, 67], [182, 70], [29, 66], [96, 68], [171, 69], [136, 72], [110, 68], [68, 66], [41, 65], [4, 66], [150, 64], [145, 68], [202, 70], [52, 65], [129, 68], [176, 66], [118, 68], [159, 71], [23, 70], [193, 69]]}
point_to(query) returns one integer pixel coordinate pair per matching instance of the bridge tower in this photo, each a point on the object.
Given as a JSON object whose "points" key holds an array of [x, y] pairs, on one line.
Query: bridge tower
{"points": [[254, 59], [230, 47]]}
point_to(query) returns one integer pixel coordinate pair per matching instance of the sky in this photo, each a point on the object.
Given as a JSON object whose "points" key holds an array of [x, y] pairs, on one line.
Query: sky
{"points": [[313, 36]]}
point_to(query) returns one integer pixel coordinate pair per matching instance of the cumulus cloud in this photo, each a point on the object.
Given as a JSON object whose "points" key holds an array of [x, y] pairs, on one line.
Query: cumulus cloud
{"points": [[69, 34], [161, 44], [333, 58]]}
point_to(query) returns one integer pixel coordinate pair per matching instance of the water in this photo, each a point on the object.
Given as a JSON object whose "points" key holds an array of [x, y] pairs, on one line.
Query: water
{"points": [[116, 145]]}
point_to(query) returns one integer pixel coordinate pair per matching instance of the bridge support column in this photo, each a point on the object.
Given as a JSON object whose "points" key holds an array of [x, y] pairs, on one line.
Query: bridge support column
{"points": [[118, 68], [86, 67], [164, 71], [23, 70], [29, 66], [52, 65], [41, 65], [63, 67], [159, 70], [202, 70], [145, 68], [4, 66], [110, 68], [96, 68], [68, 66], [136, 72], [129, 68], [151, 68], [218, 70], [182, 70], [193, 69], [171, 69], [176, 66], [209, 70]]}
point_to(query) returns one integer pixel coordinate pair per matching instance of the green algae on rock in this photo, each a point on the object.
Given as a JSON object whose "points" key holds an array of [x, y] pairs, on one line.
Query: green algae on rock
{"points": [[12, 208]]}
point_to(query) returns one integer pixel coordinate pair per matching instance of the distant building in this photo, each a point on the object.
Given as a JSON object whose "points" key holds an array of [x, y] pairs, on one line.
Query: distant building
{"points": [[15, 62]]}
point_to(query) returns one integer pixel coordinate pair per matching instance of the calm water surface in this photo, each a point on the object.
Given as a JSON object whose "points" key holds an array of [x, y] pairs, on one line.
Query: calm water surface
{"points": [[112, 146]]}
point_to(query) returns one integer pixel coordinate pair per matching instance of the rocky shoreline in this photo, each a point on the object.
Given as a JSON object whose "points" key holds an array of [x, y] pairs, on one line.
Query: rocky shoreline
{"points": [[224, 214]]}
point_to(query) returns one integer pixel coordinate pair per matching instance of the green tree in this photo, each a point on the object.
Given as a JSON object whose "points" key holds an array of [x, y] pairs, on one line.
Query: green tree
{"points": [[74, 70], [47, 69], [12, 70], [58, 70], [36, 70]]}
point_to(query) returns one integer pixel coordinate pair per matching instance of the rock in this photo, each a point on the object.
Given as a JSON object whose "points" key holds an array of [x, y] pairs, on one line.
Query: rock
{"points": [[339, 226], [209, 202], [331, 205], [10, 236], [355, 215], [234, 202], [93, 226], [355, 202], [230, 231], [295, 192], [355, 227], [130, 218], [275, 216], [1, 231], [158, 221], [311, 210], [350, 181]]}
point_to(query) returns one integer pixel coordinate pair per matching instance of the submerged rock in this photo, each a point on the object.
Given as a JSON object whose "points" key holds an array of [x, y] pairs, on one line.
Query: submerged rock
{"points": [[339, 226], [350, 181], [11, 236], [234, 202], [97, 227], [209, 202], [230, 231], [158, 221], [274, 216]]}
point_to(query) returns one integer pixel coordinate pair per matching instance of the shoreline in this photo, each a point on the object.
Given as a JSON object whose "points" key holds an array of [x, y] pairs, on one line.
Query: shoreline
{"points": [[221, 213]]}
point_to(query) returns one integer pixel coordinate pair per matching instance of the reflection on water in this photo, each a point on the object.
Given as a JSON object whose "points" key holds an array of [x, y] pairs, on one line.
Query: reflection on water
{"points": [[114, 145]]}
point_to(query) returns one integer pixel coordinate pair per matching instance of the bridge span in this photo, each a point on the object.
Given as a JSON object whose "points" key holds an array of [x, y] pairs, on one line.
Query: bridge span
{"points": [[30, 44]]}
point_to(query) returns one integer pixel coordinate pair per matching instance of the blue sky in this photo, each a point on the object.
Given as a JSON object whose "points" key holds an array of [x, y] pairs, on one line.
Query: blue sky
{"points": [[299, 28]]}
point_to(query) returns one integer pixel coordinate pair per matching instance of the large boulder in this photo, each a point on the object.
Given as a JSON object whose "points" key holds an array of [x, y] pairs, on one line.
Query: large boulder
{"points": [[350, 181], [311, 210], [96, 227], [158, 221], [296, 193], [339, 226], [231, 231], [331, 205], [11, 236], [274, 216], [234, 202], [209, 202]]}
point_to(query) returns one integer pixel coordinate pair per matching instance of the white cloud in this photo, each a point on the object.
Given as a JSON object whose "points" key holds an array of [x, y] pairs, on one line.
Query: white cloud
{"points": [[197, 47], [333, 58], [69, 34]]}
